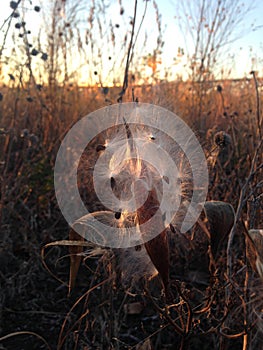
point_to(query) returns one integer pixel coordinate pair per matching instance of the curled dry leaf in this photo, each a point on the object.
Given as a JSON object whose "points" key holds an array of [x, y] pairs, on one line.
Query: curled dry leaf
{"points": [[220, 219]]}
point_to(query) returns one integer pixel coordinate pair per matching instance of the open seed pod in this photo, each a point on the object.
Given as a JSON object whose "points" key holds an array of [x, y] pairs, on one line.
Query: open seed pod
{"points": [[153, 256], [85, 228]]}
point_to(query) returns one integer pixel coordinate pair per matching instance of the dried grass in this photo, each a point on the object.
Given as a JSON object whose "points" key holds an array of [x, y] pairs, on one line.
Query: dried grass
{"points": [[213, 308]]}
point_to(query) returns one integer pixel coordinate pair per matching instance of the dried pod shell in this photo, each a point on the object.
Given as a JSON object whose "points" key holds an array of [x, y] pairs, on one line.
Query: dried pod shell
{"points": [[220, 219], [157, 248]]}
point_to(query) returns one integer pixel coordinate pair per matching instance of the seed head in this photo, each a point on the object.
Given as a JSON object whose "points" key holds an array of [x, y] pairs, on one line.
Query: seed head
{"points": [[219, 88]]}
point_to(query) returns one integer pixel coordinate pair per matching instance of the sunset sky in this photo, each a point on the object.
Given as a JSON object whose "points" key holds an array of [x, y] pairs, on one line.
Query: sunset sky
{"points": [[246, 53]]}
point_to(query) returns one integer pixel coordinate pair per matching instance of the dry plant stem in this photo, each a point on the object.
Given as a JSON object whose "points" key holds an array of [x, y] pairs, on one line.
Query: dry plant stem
{"points": [[245, 306], [62, 340], [241, 204], [7, 150], [231, 336], [245, 300], [79, 320], [257, 186], [135, 347], [206, 307], [128, 60], [25, 333], [29, 66], [138, 31], [189, 309], [259, 121], [9, 24], [177, 328], [244, 303]]}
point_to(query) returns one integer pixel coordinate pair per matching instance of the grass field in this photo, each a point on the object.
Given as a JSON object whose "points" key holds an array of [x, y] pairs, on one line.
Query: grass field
{"points": [[212, 310]]}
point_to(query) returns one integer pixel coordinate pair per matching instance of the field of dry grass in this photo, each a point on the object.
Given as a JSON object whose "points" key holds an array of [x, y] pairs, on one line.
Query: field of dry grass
{"points": [[211, 309]]}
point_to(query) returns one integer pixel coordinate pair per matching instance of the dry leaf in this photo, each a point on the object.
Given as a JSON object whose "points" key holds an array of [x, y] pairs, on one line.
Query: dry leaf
{"points": [[220, 217]]}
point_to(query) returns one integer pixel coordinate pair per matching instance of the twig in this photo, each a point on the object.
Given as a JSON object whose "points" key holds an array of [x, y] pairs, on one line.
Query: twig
{"points": [[128, 61], [62, 340], [135, 347], [25, 333], [258, 103], [9, 20], [189, 309], [245, 308], [165, 314], [138, 31]]}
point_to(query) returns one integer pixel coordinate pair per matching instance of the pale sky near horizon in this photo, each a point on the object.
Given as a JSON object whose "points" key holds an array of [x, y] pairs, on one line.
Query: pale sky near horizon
{"points": [[249, 46], [247, 51]]}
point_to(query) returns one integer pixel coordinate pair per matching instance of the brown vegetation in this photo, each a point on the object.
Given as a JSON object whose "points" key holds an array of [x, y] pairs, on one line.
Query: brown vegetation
{"points": [[118, 303]]}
